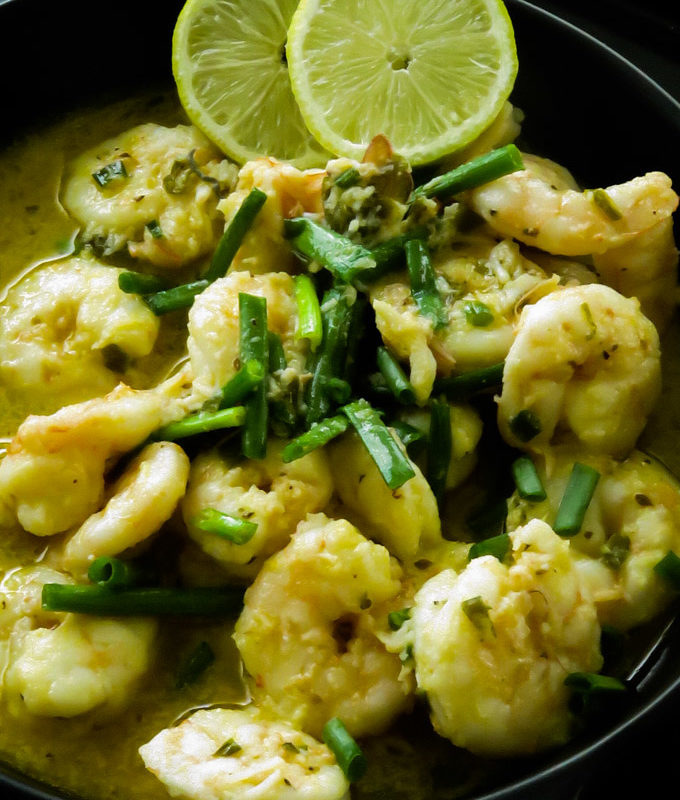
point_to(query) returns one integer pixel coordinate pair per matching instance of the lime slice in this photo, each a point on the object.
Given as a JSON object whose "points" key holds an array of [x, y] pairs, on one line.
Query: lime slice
{"points": [[228, 59], [428, 74]]}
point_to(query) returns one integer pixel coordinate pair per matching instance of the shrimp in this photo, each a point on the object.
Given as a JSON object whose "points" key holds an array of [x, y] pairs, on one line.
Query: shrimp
{"points": [[274, 495], [484, 271], [64, 326], [52, 478], [542, 206], [141, 500], [494, 643], [290, 193], [153, 191], [308, 632], [585, 368], [404, 520], [631, 523], [213, 341], [223, 753]]}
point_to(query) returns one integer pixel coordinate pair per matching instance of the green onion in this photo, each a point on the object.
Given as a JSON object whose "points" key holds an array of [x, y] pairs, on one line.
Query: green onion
{"points": [[603, 201], [497, 546], [589, 689], [113, 573], [395, 619], [248, 378], [413, 439], [461, 387], [154, 229], [390, 256], [394, 376], [348, 177], [393, 465], [309, 325], [615, 551], [203, 422], [317, 436], [254, 344], [140, 283], [525, 425], [439, 448], [141, 602], [182, 169], [176, 298], [477, 611], [282, 408], [346, 751], [234, 234], [575, 500], [669, 569], [111, 172], [478, 314], [195, 665], [226, 526], [527, 480], [336, 253], [480, 170], [423, 282], [229, 748]]}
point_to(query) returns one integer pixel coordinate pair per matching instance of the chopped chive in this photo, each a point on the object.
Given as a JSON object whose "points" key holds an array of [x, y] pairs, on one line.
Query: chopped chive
{"points": [[423, 282], [176, 298], [317, 436], [348, 177], [669, 569], [203, 422], [113, 573], [575, 500], [141, 602], [277, 355], [395, 619], [477, 611], [234, 234], [336, 253], [413, 439], [254, 344], [478, 314], [195, 665], [590, 689], [439, 446], [603, 201], [461, 387], [176, 181], [347, 752], [588, 314], [525, 425], [226, 526], [487, 520], [615, 551], [393, 465], [497, 546], [140, 283], [406, 654], [480, 170], [229, 748], [338, 389], [154, 229], [527, 480], [390, 256], [357, 331], [109, 173], [394, 376], [309, 324], [248, 378]]}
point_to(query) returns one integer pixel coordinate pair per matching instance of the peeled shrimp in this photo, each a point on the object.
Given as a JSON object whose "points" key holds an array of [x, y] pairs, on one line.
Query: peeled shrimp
{"points": [[542, 207], [270, 759], [494, 643], [585, 363], [274, 495], [308, 633]]}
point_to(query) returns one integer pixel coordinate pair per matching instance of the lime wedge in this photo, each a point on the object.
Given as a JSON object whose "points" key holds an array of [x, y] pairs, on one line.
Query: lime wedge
{"points": [[228, 59], [428, 74]]}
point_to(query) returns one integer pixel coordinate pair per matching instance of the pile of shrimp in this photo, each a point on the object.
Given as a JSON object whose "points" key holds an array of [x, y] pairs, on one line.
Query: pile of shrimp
{"points": [[362, 602]]}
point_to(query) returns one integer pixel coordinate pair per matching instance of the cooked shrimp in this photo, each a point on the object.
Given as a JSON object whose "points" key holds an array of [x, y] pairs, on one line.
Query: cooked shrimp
{"points": [[274, 495], [213, 342], [308, 631], [584, 367], [225, 753], [493, 646], [161, 200], [646, 268], [290, 193], [52, 477], [631, 523], [21, 599], [59, 325], [542, 207], [404, 520], [141, 500]]}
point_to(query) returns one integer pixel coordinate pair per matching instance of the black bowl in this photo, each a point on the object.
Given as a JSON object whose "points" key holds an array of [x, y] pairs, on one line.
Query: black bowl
{"points": [[586, 107]]}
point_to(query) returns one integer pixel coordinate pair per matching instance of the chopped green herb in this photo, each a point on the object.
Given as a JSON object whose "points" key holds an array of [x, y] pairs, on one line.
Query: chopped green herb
{"points": [[669, 569], [109, 173], [588, 314], [525, 425], [154, 229], [478, 314], [477, 611], [394, 376], [348, 177], [461, 387], [615, 551], [229, 748], [317, 436], [576, 499], [498, 546], [194, 665], [395, 619], [603, 200], [309, 323], [527, 480], [439, 448], [233, 529], [346, 751], [424, 283], [591, 690]]}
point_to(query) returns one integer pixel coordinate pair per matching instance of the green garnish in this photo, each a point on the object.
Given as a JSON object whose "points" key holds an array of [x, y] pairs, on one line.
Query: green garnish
{"points": [[423, 282], [114, 573], [478, 314], [348, 177], [109, 173], [140, 283], [154, 229], [395, 619], [174, 299], [203, 422], [461, 387], [226, 526], [309, 325], [439, 448], [347, 752], [395, 378], [603, 201], [317, 436], [527, 480], [615, 551], [229, 748], [497, 546], [254, 345], [576, 499], [477, 611], [525, 426], [194, 665], [669, 569], [247, 379]]}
